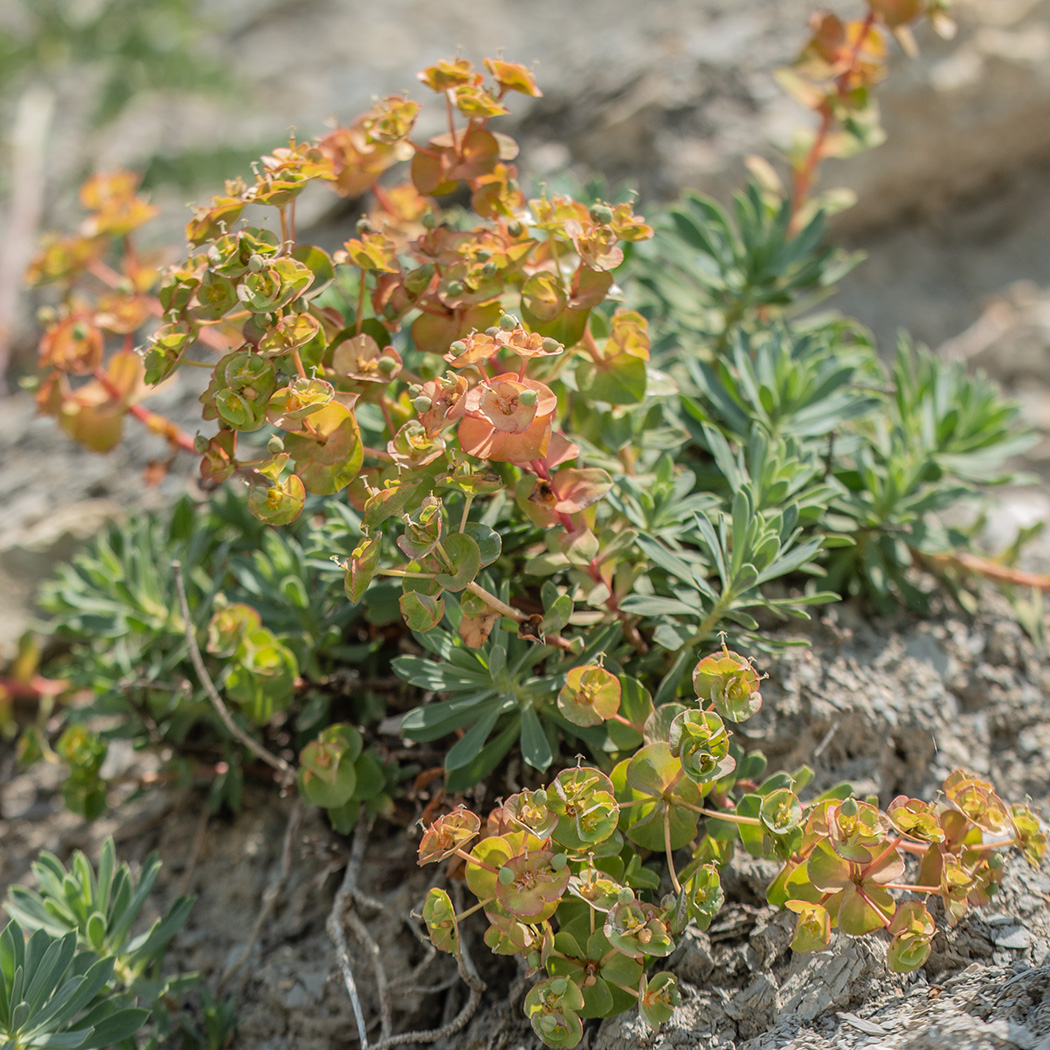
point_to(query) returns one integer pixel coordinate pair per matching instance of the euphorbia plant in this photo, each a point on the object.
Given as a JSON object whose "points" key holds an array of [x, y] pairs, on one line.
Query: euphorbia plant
{"points": [[461, 411], [558, 870]]}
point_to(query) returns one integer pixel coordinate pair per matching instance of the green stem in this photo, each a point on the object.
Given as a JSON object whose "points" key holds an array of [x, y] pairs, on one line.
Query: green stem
{"points": [[477, 907], [712, 619], [507, 610], [733, 818], [466, 511], [667, 849]]}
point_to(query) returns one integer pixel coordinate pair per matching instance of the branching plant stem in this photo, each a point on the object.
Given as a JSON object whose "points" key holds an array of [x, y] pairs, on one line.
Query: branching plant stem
{"points": [[518, 617], [342, 913], [807, 170], [257, 749]]}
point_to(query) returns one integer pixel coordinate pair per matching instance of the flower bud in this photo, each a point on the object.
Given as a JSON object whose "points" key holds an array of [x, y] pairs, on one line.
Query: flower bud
{"points": [[275, 446], [429, 220], [489, 270], [454, 288], [200, 444], [256, 262]]}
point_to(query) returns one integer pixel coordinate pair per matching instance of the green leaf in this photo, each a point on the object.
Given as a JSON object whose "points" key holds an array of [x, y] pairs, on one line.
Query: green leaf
{"points": [[535, 747], [488, 541], [486, 760], [422, 612], [464, 555], [619, 380], [117, 1026]]}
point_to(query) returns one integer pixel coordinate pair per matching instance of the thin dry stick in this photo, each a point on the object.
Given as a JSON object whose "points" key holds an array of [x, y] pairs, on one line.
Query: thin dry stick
{"points": [[822, 746], [349, 893], [352, 894], [335, 929], [286, 771], [272, 893], [992, 570], [459, 1022], [360, 931]]}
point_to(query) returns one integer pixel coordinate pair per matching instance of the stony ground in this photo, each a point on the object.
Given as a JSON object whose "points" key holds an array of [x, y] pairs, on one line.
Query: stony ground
{"points": [[954, 213]]}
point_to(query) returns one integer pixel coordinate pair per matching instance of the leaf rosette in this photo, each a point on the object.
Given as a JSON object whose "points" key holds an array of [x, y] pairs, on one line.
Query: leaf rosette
{"points": [[700, 741], [448, 834], [440, 918], [637, 929], [590, 696], [728, 680], [912, 928], [585, 805], [552, 1007], [527, 884]]}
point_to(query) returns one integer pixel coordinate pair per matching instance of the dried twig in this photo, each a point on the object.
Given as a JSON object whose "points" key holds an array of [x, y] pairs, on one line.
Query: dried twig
{"points": [[459, 1022], [341, 917], [336, 931], [975, 565], [257, 749], [272, 893], [822, 746]]}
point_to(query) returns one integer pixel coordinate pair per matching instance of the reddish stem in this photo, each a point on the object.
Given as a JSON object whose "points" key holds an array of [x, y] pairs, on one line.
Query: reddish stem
{"points": [[806, 173], [991, 570], [383, 200], [591, 346], [891, 847], [175, 436], [874, 906], [34, 689], [111, 279]]}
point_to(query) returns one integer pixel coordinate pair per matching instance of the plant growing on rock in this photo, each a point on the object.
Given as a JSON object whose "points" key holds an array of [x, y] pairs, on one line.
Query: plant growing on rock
{"points": [[550, 462], [558, 870]]}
